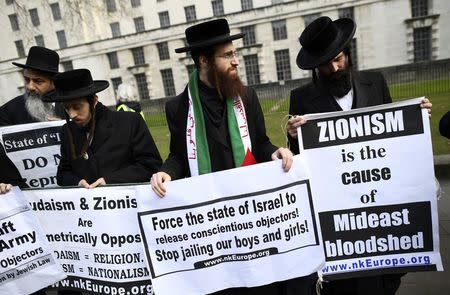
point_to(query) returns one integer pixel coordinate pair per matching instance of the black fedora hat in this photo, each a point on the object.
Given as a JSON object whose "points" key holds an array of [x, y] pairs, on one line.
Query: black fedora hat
{"points": [[74, 84], [322, 40], [41, 59], [208, 34]]}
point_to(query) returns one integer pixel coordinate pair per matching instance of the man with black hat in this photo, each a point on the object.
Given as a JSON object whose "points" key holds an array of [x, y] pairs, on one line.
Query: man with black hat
{"points": [[41, 65], [204, 120], [99, 146], [336, 87]]}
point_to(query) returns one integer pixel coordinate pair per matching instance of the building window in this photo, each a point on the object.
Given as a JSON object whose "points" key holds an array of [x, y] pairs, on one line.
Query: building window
{"points": [[9, 2], [190, 68], [189, 11], [39, 40], [310, 18], [135, 3], [20, 48], [252, 69], [164, 19], [250, 36], [217, 7], [34, 17], [113, 60], [419, 8], [169, 86], [55, 11], [279, 29], [115, 82], [14, 22], [246, 4], [67, 65], [422, 44], [142, 86], [163, 50], [346, 12], [283, 64], [354, 53], [277, 1], [115, 29], [61, 35], [111, 6], [138, 55], [139, 24]]}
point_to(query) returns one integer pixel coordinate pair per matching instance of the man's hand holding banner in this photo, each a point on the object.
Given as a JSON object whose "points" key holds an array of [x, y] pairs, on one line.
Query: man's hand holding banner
{"points": [[253, 226], [373, 179]]}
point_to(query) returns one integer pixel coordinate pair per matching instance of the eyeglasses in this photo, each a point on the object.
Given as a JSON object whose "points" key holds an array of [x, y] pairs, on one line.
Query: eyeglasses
{"points": [[229, 55]]}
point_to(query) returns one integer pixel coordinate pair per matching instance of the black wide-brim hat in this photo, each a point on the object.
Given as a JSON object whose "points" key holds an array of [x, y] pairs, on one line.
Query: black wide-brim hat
{"points": [[74, 84], [41, 59], [324, 39], [208, 34]]}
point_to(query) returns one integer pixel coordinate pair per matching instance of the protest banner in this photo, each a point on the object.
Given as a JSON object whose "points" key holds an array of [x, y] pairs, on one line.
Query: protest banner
{"points": [[27, 263], [373, 179], [35, 151], [248, 226], [95, 237]]}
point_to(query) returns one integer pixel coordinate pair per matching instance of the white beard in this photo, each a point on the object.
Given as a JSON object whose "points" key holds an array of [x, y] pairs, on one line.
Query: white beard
{"points": [[38, 109]]}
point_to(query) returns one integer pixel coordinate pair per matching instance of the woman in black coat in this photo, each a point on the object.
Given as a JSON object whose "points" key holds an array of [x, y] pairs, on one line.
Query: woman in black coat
{"points": [[100, 146]]}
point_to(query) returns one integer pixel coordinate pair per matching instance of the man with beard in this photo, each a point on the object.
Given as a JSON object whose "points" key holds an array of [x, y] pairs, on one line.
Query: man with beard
{"points": [[336, 87], [41, 64], [214, 104]]}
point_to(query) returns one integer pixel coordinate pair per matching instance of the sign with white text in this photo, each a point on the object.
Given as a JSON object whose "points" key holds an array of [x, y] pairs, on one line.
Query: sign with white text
{"points": [[35, 151], [216, 225], [26, 262], [378, 210]]}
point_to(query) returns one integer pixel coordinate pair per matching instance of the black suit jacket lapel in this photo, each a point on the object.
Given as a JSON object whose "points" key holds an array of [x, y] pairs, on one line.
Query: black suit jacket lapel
{"points": [[324, 102], [362, 91]]}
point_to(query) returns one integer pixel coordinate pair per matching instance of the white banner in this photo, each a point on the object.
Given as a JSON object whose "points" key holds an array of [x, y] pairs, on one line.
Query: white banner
{"points": [[35, 150], [95, 236], [26, 261], [252, 225], [373, 179]]}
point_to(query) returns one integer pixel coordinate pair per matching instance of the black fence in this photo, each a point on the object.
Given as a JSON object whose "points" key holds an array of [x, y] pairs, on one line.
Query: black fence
{"points": [[405, 81]]}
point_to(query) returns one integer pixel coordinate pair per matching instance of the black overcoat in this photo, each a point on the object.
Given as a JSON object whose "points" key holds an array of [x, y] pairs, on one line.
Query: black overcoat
{"points": [[177, 165], [369, 89], [122, 150]]}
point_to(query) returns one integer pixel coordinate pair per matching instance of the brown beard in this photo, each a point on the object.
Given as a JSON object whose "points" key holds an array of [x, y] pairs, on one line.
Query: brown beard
{"points": [[228, 86]]}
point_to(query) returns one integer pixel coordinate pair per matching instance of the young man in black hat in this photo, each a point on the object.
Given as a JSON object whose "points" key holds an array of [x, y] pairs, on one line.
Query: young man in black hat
{"points": [[41, 65], [99, 146], [213, 104], [336, 87]]}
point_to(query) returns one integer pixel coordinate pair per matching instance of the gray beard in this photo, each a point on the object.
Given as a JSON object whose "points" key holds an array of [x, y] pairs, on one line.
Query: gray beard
{"points": [[38, 109]]}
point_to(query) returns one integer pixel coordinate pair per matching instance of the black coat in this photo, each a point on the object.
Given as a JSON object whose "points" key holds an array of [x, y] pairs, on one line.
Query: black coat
{"points": [[122, 150], [444, 125], [177, 165], [14, 112], [8, 172], [369, 89]]}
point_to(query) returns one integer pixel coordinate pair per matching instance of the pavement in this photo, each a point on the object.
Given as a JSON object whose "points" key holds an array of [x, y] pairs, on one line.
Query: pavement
{"points": [[430, 283]]}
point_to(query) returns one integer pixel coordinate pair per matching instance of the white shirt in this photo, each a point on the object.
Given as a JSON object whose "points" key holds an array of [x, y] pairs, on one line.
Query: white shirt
{"points": [[346, 101]]}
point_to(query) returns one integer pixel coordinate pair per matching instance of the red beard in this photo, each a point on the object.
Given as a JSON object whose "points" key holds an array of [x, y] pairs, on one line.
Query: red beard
{"points": [[228, 83]]}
